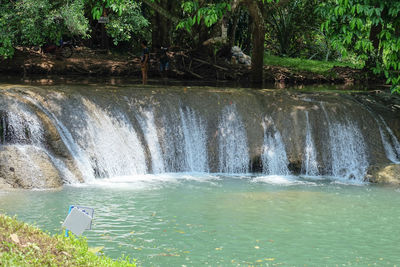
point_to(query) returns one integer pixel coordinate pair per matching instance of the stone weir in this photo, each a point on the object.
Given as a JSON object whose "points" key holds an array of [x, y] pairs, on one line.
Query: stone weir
{"points": [[50, 136]]}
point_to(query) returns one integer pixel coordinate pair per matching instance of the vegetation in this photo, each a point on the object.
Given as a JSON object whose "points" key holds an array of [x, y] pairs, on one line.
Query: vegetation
{"points": [[299, 64], [368, 28], [25, 245], [365, 31]]}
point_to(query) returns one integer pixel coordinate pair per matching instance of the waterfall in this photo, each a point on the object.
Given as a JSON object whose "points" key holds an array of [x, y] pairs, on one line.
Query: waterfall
{"points": [[195, 141], [111, 143], [172, 142], [138, 132], [25, 129], [274, 158], [232, 142], [390, 143], [309, 165], [3, 128], [77, 153], [149, 128], [22, 127], [347, 149]]}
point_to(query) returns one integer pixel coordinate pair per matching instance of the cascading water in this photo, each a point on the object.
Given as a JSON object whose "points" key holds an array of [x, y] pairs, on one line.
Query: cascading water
{"points": [[195, 140], [347, 147], [77, 153], [146, 121], [3, 128], [172, 143], [274, 158], [310, 164], [23, 126], [139, 132], [389, 140], [390, 143], [25, 130], [111, 144], [232, 142]]}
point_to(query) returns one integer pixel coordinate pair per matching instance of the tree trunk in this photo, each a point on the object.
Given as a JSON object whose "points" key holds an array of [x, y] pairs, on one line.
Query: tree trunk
{"points": [[373, 37], [258, 38], [232, 31], [161, 10]]}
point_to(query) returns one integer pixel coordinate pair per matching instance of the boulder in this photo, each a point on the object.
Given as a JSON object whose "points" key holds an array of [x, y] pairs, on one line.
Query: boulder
{"points": [[384, 174], [27, 166]]}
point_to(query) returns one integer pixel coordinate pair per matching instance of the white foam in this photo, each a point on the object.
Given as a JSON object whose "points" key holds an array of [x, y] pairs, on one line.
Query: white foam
{"points": [[149, 181], [281, 180]]}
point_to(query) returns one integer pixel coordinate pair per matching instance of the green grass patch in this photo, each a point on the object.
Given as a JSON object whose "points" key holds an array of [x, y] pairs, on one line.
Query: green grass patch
{"points": [[25, 245], [315, 66]]}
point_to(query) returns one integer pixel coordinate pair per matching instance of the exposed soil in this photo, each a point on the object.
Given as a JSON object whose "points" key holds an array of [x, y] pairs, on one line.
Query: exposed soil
{"points": [[185, 65]]}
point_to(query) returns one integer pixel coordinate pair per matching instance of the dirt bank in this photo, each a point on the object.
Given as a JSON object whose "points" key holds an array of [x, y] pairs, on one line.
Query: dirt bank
{"points": [[185, 66]]}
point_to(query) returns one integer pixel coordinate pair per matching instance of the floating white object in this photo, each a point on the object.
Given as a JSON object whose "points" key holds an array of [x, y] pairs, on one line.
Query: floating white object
{"points": [[77, 221]]}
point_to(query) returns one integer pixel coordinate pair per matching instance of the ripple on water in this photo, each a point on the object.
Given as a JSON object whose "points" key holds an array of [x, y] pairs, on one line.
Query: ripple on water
{"points": [[201, 219]]}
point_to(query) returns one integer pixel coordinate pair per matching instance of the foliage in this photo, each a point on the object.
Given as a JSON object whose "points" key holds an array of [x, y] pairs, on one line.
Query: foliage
{"points": [[370, 28], [207, 13], [130, 23], [35, 22], [24, 245], [315, 66], [98, 7], [74, 18], [291, 30]]}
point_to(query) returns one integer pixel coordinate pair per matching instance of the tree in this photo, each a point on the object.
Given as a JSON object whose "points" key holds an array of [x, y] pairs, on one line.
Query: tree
{"points": [[35, 22], [371, 29], [128, 23], [198, 12], [293, 28]]}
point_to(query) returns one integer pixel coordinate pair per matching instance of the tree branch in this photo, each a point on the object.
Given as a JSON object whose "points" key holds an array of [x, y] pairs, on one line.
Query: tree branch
{"points": [[160, 10]]}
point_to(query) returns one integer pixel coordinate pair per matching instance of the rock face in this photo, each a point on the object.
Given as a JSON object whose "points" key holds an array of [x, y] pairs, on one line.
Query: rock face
{"points": [[25, 166], [384, 174]]}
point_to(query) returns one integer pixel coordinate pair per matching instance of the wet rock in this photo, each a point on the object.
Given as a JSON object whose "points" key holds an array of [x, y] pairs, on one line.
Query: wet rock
{"points": [[26, 166], [384, 174]]}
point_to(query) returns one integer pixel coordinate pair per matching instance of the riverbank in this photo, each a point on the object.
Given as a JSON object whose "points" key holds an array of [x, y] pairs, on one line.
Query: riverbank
{"points": [[24, 245], [184, 66]]}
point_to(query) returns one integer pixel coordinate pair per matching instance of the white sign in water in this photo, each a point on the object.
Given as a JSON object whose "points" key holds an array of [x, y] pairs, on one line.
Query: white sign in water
{"points": [[78, 220]]}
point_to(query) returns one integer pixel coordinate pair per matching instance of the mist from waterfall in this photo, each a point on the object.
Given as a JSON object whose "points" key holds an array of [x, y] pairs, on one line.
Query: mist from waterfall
{"points": [[274, 158], [232, 142], [195, 141], [309, 165]]}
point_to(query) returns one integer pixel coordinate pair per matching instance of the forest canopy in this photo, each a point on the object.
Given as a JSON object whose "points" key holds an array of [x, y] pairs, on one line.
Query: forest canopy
{"points": [[366, 32]]}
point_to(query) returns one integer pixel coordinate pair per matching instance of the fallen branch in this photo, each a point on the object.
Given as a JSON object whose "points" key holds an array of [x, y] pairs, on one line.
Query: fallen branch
{"points": [[195, 74], [205, 62]]}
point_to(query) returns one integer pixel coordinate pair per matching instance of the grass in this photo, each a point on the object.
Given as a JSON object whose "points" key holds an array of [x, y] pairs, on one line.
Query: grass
{"points": [[315, 66], [25, 245]]}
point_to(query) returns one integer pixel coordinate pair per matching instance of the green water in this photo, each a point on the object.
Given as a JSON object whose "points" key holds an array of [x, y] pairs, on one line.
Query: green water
{"points": [[184, 220]]}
